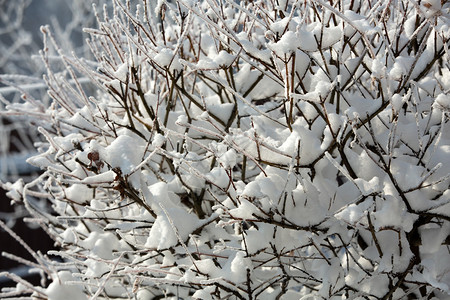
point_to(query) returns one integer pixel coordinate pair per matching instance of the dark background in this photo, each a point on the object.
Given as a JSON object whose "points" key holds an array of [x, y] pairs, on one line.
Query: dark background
{"points": [[37, 13]]}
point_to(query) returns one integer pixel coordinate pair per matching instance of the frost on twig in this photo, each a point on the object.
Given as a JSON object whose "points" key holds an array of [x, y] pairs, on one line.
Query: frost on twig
{"points": [[252, 149]]}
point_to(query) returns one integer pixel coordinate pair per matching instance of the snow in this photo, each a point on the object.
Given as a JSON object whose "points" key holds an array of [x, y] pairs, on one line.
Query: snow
{"points": [[122, 72], [79, 193], [15, 190], [221, 111], [442, 102], [238, 267], [331, 35], [158, 140], [249, 47], [202, 294], [257, 144], [393, 213], [302, 62], [124, 153], [354, 213], [228, 159], [164, 57], [287, 44], [61, 287], [368, 187], [359, 21], [432, 7], [224, 59], [100, 244], [106, 177], [306, 212], [207, 63], [219, 177], [397, 102], [308, 43], [407, 176], [278, 27], [68, 236], [246, 209], [432, 238], [401, 67], [376, 285], [308, 150], [169, 228]]}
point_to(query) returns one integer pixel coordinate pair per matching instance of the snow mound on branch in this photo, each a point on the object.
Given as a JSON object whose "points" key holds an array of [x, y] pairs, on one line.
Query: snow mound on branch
{"points": [[63, 286]]}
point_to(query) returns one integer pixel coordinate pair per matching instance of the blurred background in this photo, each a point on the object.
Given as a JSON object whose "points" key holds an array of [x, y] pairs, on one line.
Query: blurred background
{"points": [[21, 71]]}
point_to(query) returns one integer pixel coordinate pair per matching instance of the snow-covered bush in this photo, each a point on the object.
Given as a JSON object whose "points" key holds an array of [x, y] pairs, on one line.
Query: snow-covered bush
{"points": [[247, 150]]}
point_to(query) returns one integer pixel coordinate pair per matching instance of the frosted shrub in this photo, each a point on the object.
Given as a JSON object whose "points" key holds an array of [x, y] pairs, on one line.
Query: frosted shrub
{"points": [[247, 150]]}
